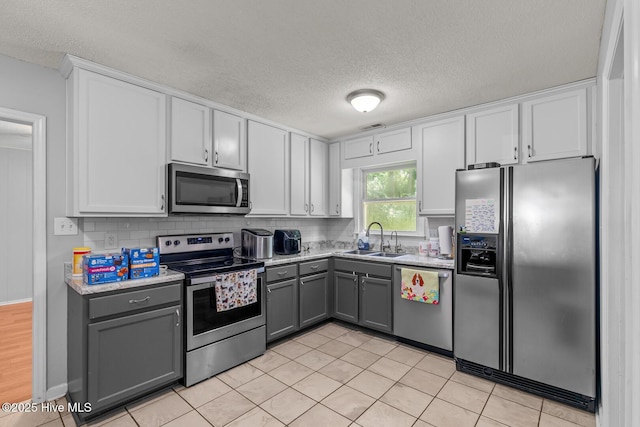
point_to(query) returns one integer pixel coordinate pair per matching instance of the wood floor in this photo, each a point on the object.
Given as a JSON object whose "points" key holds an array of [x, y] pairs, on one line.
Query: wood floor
{"points": [[15, 352]]}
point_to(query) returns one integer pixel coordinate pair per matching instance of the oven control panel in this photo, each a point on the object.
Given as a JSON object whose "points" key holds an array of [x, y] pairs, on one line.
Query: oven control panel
{"points": [[194, 242]]}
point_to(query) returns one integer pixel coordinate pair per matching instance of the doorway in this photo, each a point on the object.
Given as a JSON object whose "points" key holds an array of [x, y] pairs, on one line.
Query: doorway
{"points": [[16, 278], [23, 262]]}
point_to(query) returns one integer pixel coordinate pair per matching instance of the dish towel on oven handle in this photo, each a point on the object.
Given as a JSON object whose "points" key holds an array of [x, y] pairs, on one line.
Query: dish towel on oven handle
{"points": [[420, 285], [236, 289]]}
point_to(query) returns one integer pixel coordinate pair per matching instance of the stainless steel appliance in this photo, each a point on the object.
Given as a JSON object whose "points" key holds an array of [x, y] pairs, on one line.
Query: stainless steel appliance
{"points": [[287, 242], [410, 318], [257, 243], [202, 190], [218, 336], [526, 290]]}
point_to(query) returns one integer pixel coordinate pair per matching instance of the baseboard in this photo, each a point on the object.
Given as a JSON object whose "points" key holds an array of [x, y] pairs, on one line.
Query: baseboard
{"points": [[56, 392], [18, 301]]}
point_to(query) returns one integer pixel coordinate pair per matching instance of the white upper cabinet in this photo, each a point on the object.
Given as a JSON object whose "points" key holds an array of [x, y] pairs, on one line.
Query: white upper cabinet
{"points": [[190, 132], [380, 148], [391, 141], [116, 147], [299, 174], [309, 181], [493, 135], [358, 147], [268, 166], [442, 152], [555, 126], [340, 185], [229, 141], [318, 180]]}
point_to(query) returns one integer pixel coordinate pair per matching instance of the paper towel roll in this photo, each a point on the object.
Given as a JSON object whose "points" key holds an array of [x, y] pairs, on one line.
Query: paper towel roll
{"points": [[445, 234]]}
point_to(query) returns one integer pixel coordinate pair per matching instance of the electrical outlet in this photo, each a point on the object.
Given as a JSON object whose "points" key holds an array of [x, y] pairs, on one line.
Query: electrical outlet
{"points": [[65, 226], [110, 240]]}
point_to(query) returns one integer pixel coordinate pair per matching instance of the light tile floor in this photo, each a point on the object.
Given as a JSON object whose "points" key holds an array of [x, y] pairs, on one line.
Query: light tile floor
{"points": [[336, 376]]}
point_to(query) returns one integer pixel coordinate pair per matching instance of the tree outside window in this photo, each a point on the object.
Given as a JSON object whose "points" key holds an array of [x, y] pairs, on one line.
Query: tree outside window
{"points": [[390, 197]]}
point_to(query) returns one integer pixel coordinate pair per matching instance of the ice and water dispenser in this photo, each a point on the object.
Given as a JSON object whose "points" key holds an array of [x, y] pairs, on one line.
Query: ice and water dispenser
{"points": [[478, 255]]}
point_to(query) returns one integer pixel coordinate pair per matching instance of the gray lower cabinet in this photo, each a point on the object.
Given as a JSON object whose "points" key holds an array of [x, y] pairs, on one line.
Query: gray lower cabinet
{"points": [[313, 299], [363, 294], [282, 301], [376, 302], [282, 304], [345, 303], [123, 345]]}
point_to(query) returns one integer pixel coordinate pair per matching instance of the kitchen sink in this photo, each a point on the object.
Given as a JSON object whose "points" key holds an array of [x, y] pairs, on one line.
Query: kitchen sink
{"points": [[361, 252], [387, 254]]}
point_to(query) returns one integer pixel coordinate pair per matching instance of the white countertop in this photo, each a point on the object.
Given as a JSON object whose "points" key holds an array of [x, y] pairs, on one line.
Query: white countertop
{"points": [[408, 259], [80, 287]]}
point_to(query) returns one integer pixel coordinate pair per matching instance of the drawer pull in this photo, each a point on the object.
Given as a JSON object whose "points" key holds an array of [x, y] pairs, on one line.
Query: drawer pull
{"points": [[314, 267], [282, 273], [138, 301]]}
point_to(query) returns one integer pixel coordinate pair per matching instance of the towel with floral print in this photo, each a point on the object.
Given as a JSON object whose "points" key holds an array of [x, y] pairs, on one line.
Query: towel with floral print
{"points": [[420, 285], [236, 289]]}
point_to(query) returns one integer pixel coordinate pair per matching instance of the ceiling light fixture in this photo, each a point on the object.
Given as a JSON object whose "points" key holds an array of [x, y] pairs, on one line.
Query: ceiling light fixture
{"points": [[365, 100]]}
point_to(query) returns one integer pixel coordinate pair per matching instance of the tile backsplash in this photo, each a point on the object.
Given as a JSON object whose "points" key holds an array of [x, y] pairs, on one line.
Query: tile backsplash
{"points": [[142, 232]]}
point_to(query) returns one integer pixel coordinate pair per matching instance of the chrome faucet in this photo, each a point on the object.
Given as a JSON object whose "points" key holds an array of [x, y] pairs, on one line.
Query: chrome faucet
{"points": [[382, 245], [397, 246]]}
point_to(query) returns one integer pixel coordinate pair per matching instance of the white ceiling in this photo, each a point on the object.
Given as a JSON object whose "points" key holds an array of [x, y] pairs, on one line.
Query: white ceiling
{"points": [[295, 61]]}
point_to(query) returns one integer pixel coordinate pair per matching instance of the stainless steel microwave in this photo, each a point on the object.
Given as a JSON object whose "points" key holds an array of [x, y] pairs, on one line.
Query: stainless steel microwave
{"points": [[203, 190]]}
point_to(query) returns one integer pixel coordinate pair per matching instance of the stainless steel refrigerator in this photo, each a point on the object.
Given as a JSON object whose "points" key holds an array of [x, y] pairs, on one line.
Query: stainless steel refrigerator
{"points": [[525, 282]]}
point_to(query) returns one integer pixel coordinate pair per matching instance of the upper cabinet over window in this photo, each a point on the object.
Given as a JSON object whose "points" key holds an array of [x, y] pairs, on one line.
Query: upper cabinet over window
{"points": [[383, 147], [190, 132], [555, 126], [116, 141]]}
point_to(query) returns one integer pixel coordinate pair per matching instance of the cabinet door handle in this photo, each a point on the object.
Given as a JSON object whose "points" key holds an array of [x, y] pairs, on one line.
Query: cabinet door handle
{"points": [[216, 157], [138, 301], [355, 279], [306, 207], [371, 148], [268, 289], [206, 155], [311, 207], [529, 150], [301, 283], [378, 146], [282, 273], [515, 153], [177, 317], [250, 205], [162, 202], [419, 205], [337, 209]]}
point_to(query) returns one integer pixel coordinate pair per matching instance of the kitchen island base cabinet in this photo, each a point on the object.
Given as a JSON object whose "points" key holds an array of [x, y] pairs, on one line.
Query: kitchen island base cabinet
{"points": [[363, 294], [121, 346]]}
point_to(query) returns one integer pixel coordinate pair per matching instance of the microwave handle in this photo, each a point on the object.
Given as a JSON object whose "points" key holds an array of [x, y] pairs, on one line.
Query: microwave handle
{"points": [[239, 184]]}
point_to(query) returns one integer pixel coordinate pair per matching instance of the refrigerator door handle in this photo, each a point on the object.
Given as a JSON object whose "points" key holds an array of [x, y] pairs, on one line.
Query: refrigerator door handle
{"points": [[507, 248]]}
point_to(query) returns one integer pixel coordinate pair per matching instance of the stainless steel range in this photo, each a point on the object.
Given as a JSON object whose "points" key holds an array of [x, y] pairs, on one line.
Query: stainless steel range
{"points": [[225, 305]]}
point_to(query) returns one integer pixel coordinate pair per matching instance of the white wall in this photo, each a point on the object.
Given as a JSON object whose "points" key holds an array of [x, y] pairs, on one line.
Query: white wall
{"points": [[38, 90], [16, 220]]}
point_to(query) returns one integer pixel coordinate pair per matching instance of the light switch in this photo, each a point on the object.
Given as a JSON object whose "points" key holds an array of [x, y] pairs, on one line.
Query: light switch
{"points": [[65, 226]]}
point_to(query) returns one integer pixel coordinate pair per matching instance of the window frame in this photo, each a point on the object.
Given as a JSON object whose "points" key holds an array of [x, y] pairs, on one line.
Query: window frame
{"points": [[361, 182]]}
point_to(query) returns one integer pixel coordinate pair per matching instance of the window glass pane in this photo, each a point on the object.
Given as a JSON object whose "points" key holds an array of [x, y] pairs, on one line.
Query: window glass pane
{"points": [[398, 215], [391, 184]]}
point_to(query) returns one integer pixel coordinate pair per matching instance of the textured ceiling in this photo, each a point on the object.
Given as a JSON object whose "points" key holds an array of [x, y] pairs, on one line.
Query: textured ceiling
{"points": [[295, 61]]}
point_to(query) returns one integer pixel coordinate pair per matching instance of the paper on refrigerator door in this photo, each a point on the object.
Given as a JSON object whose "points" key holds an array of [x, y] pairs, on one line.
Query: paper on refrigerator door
{"points": [[481, 216]]}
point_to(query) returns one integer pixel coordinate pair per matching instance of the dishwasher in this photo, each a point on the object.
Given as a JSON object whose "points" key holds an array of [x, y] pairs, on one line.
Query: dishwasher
{"points": [[427, 324]]}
